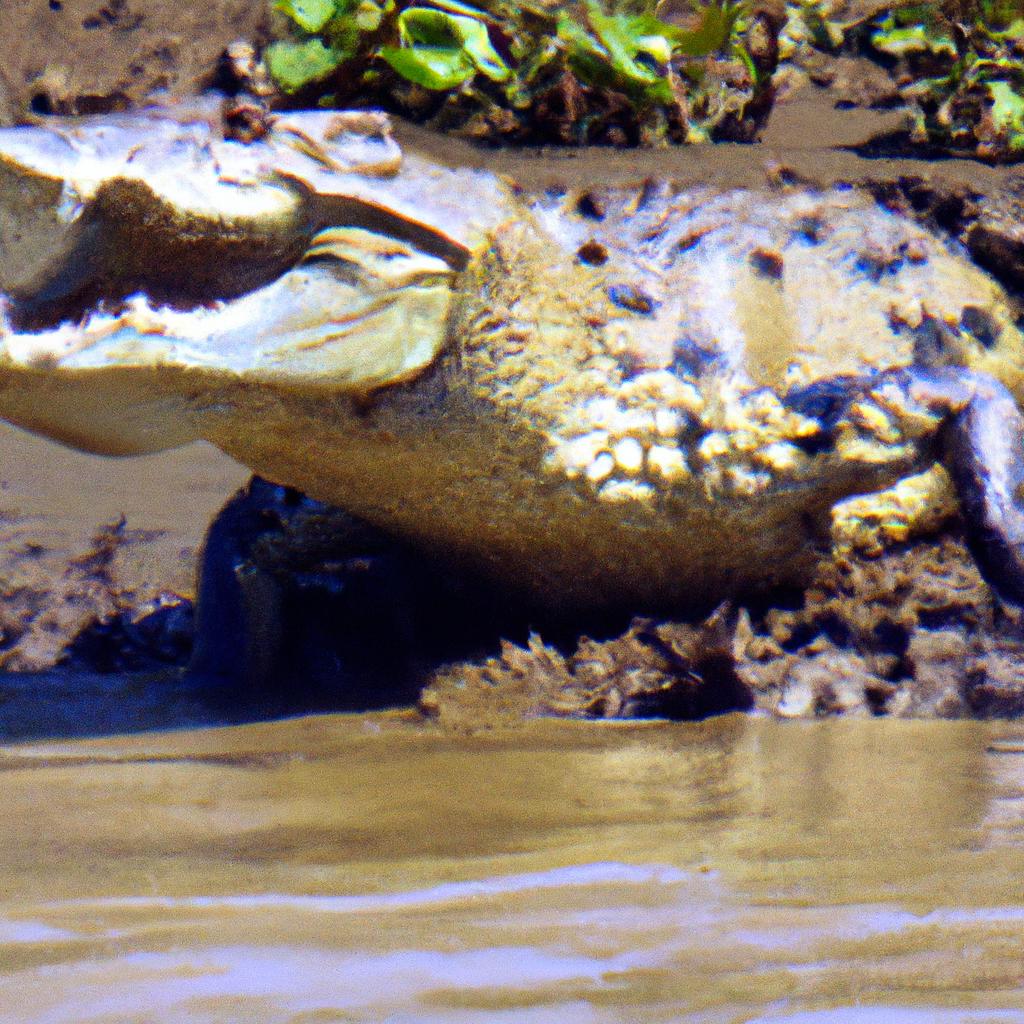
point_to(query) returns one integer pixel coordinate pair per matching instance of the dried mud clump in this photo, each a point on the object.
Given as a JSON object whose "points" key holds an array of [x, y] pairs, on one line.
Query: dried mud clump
{"points": [[915, 632], [668, 669], [50, 603], [995, 238]]}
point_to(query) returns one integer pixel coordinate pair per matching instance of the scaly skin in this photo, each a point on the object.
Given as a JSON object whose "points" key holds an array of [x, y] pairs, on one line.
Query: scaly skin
{"points": [[637, 397]]}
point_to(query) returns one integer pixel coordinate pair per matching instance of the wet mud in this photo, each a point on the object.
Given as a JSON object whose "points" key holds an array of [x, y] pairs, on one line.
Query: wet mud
{"points": [[90, 56], [85, 538], [912, 633]]}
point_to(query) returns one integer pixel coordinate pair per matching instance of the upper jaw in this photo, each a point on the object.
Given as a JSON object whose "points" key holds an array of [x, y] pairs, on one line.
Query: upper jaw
{"points": [[126, 225], [312, 169]]}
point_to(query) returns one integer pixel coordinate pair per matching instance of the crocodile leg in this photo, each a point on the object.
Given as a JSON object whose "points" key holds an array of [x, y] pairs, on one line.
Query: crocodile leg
{"points": [[982, 436], [237, 626], [300, 605], [303, 607]]}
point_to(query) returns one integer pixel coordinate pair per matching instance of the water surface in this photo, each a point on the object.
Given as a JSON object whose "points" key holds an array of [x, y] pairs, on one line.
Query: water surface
{"points": [[367, 869]]}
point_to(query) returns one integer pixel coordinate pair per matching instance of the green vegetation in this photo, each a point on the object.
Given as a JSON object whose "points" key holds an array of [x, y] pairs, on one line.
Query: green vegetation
{"points": [[958, 66], [539, 71], [628, 72]]}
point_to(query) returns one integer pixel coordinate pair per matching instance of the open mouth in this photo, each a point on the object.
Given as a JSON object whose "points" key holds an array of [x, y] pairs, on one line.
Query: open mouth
{"points": [[149, 239], [359, 310]]}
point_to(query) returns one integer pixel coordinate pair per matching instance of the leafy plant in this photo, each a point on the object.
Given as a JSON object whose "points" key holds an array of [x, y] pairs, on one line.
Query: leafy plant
{"points": [[441, 50], [914, 30], [506, 70], [959, 66]]}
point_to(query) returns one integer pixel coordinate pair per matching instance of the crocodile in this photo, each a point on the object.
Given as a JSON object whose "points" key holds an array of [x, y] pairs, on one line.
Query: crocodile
{"points": [[648, 396]]}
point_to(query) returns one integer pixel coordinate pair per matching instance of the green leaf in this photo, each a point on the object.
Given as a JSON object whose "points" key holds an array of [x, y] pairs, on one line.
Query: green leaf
{"points": [[628, 37], [455, 7], [824, 33], [368, 16], [915, 29], [433, 67], [1007, 111], [343, 34], [714, 32], [477, 44], [309, 15], [439, 47], [630, 51], [743, 54], [294, 64], [900, 42], [989, 72], [1012, 33], [996, 16]]}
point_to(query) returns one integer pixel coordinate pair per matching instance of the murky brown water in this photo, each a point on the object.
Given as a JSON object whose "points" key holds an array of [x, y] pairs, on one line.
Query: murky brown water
{"points": [[364, 869]]}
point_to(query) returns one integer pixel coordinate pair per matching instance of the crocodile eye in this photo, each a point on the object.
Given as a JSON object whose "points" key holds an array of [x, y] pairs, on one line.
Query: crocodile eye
{"points": [[626, 296], [826, 401]]}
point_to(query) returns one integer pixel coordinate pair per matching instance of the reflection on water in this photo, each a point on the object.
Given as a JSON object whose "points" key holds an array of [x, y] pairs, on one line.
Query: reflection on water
{"points": [[365, 869]]}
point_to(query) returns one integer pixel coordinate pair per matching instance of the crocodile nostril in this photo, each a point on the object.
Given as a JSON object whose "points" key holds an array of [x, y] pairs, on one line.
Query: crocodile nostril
{"points": [[981, 323], [626, 296], [594, 254]]}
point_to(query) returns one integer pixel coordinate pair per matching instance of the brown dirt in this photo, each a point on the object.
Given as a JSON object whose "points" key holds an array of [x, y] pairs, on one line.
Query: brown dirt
{"points": [[81, 56], [915, 632]]}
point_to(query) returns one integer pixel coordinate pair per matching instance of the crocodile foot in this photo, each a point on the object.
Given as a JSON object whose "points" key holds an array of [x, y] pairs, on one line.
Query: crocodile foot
{"points": [[302, 605]]}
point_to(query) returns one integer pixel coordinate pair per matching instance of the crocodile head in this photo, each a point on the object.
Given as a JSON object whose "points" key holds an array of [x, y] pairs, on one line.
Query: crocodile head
{"points": [[148, 243]]}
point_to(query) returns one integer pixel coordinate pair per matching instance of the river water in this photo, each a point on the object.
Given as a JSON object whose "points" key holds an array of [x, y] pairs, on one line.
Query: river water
{"points": [[366, 868]]}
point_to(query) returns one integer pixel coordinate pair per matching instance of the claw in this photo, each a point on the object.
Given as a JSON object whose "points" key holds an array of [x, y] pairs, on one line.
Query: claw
{"points": [[983, 452]]}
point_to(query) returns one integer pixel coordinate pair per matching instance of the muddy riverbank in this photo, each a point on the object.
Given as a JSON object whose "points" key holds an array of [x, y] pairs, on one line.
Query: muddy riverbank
{"points": [[916, 632]]}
